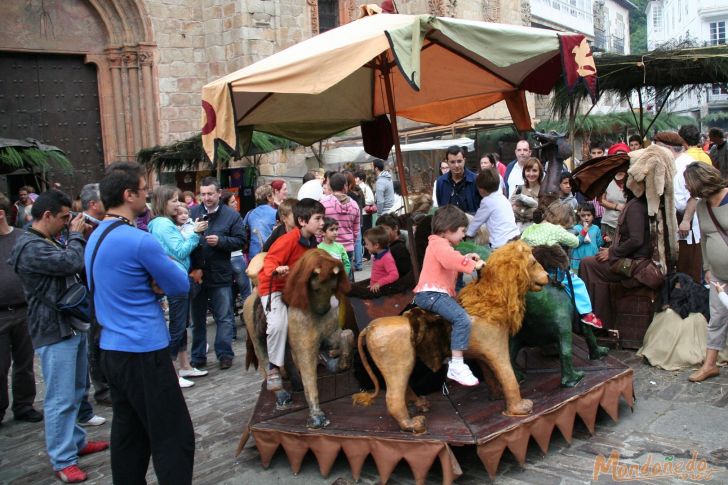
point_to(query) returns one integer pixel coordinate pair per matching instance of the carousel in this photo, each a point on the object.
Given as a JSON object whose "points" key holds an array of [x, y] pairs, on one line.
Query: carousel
{"points": [[431, 70]]}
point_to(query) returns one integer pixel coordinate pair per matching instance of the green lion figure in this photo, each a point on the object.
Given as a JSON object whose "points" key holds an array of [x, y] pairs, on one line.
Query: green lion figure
{"points": [[549, 316]]}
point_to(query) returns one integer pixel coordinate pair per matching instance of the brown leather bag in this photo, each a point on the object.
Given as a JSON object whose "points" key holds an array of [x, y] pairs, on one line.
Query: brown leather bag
{"points": [[643, 270]]}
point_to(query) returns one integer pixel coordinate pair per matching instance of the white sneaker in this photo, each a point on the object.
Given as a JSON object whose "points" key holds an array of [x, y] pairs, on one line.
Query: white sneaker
{"points": [[184, 383], [461, 373], [95, 421], [192, 372]]}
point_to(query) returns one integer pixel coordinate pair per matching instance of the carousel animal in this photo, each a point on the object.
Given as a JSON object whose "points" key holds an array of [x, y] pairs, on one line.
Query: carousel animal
{"points": [[548, 317], [313, 325], [496, 304], [553, 149], [548, 320]]}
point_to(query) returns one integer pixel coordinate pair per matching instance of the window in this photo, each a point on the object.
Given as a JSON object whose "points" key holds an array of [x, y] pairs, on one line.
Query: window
{"points": [[328, 11], [718, 89], [619, 27], [657, 17], [717, 33]]}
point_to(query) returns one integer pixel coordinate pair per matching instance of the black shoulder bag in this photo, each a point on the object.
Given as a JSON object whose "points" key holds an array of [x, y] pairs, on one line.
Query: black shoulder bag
{"points": [[113, 226], [76, 301]]}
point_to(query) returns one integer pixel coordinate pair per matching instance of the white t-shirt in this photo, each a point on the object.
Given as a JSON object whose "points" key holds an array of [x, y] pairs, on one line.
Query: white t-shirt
{"points": [[515, 178], [496, 213], [682, 195]]}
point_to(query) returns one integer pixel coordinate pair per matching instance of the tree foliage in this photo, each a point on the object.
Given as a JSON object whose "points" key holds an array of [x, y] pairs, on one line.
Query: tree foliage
{"points": [[32, 157], [638, 28], [188, 154]]}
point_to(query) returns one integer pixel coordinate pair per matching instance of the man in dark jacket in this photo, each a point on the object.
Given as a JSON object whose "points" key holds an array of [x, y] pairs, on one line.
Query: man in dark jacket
{"points": [[457, 186], [224, 235], [719, 151], [46, 269]]}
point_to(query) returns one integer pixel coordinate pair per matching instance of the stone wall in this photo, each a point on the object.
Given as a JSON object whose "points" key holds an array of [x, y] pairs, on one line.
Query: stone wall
{"points": [[201, 40]]}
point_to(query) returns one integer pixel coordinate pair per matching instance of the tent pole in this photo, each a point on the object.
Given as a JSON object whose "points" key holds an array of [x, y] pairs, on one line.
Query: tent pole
{"points": [[385, 69]]}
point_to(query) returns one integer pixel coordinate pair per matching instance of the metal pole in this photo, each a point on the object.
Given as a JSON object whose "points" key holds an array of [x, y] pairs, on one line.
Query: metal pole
{"points": [[385, 69]]}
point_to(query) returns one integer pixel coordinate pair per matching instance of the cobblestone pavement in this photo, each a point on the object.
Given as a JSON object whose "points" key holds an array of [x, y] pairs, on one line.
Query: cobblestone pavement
{"points": [[671, 417]]}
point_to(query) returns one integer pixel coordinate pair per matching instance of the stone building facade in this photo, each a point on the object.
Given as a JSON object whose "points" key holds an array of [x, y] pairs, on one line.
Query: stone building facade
{"points": [[150, 59]]}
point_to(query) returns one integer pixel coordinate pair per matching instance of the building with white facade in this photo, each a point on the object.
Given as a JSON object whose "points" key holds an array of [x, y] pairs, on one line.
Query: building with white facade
{"points": [[604, 22], [702, 22]]}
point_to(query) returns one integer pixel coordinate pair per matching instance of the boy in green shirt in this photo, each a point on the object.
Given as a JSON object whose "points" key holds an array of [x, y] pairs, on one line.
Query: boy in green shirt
{"points": [[329, 244]]}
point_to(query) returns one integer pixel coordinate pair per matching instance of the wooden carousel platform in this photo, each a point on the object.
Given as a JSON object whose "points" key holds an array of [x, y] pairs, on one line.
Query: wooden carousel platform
{"points": [[463, 417]]}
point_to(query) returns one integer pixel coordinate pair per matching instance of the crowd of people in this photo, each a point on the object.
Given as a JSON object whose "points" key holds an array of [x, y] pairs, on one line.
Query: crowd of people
{"points": [[169, 257]]}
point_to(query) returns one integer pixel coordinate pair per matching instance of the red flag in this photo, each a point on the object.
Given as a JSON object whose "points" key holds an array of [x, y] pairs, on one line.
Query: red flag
{"points": [[578, 63]]}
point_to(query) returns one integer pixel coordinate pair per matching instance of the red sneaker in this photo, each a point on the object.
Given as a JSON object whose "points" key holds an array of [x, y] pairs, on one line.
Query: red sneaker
{"points": [[71, 474], [592, 320], [93, 447]]}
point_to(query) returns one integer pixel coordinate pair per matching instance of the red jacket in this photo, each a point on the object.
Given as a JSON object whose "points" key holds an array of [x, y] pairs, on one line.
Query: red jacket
{"points": [[284, 252]]}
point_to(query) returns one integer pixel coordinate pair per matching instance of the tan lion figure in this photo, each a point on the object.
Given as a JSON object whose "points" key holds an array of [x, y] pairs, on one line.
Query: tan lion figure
{"points": [[312, 322], [496, 304]]}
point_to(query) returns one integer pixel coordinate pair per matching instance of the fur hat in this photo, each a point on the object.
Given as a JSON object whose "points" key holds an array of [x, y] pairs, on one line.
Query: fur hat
{"points": [[669, 138]]}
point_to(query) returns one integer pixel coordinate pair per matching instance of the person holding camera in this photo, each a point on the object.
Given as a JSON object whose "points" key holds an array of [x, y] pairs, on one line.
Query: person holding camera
{"points": [[224, 234], [47, 269]]}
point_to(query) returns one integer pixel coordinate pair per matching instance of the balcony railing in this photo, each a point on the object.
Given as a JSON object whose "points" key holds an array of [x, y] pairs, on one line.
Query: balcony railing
{"points": [[618, 45], [568, 9], [720, 97]]}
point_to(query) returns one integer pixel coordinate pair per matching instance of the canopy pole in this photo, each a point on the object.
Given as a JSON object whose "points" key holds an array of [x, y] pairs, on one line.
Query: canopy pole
{"points": [[385, 69]]}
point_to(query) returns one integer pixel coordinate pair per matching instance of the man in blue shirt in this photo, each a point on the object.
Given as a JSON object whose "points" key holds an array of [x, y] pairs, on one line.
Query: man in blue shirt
{"points": [[457, 186], [129, 271]]}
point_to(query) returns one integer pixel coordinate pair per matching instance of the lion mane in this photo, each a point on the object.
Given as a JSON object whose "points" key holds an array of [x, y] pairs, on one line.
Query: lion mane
{"points": [[315, 263], [497, 295]]}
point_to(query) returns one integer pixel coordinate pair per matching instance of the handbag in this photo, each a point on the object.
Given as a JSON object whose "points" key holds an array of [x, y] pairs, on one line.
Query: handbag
{"points": [[643, 270]]}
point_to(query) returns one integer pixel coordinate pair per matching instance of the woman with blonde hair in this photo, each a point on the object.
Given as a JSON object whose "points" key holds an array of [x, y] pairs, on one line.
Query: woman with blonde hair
{"points": [[706, 183], [165, 202], [525, 198]]}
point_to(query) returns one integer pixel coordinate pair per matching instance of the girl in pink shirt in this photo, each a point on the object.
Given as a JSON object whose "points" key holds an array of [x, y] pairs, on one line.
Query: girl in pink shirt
{"points": [[384, 270], [435, 291]]}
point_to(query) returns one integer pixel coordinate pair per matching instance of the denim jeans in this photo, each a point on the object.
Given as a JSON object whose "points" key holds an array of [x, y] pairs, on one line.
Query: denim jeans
{"points": [[241, 278], [358, 252], [65, 372], [179, 317], [449, 309], [221, 299], [85, 409]]}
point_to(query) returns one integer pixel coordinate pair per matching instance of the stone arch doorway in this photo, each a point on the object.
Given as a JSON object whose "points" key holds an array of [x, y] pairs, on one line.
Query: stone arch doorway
{"points": [[115, 36]]}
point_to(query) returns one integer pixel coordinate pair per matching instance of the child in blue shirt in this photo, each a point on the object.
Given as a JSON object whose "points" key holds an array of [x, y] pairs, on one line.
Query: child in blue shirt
{"points": [[590, 236]]}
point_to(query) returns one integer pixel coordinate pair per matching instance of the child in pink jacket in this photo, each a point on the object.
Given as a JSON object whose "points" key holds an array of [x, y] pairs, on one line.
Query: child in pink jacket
{"points": [[384, 270], [435, 291]]}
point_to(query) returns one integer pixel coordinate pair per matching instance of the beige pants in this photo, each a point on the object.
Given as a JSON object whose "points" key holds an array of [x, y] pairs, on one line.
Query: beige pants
{"points": [[718, 324], [277, 333]]}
